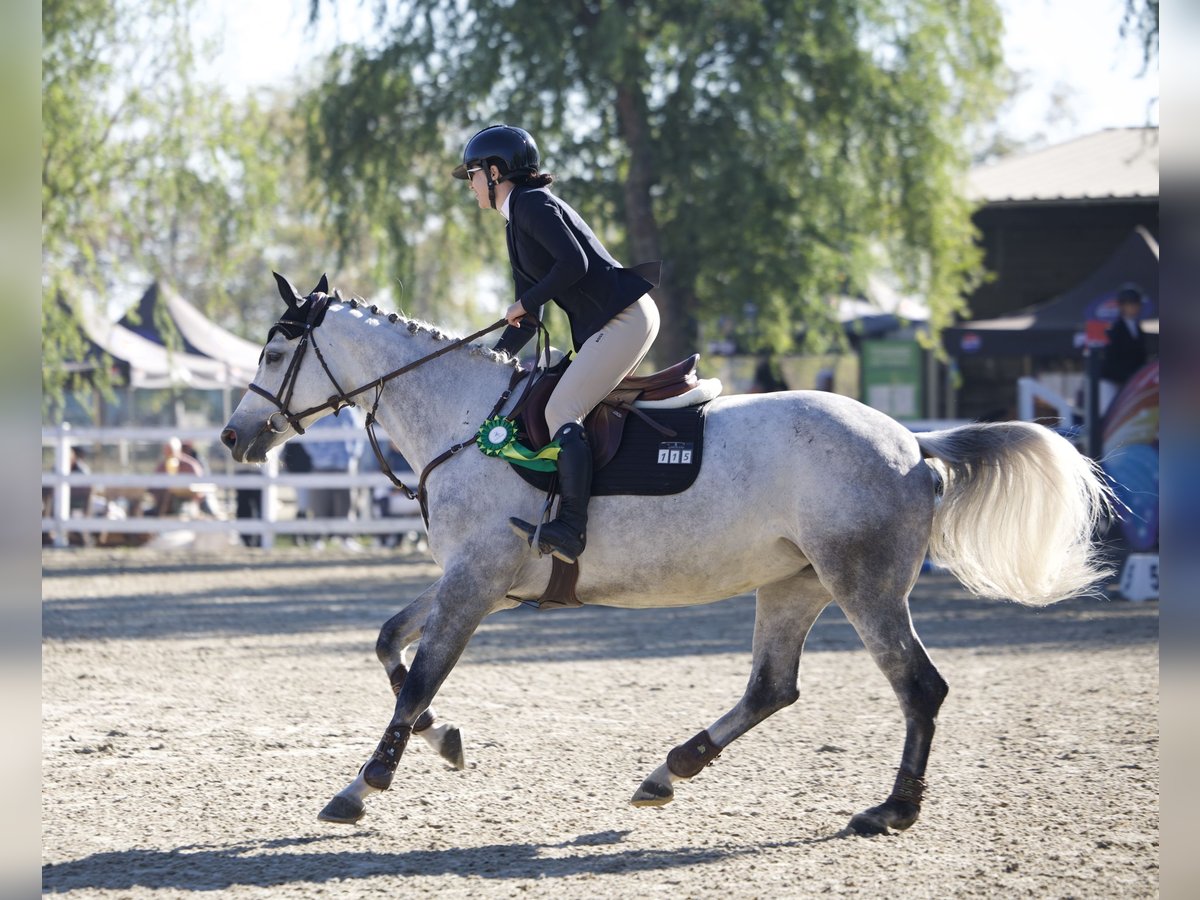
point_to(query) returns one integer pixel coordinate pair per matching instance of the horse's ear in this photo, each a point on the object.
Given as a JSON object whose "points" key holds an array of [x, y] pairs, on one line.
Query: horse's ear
{"points": [[322, 286], [287, 290]]}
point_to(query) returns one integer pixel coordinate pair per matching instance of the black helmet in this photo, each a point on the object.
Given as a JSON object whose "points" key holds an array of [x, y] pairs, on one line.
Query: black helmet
{"points": [[515, 147]]}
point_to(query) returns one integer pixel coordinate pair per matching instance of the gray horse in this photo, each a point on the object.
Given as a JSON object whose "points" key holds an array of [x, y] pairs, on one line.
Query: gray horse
{"points": [[804, 497]]}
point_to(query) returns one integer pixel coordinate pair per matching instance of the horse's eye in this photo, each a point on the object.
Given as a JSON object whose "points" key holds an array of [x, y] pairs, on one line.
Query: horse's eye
{"points": [[273, 356]]}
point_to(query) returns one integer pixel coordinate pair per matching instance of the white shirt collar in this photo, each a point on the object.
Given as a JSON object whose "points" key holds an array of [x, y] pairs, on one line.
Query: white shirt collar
{"points": [[504, 206]]}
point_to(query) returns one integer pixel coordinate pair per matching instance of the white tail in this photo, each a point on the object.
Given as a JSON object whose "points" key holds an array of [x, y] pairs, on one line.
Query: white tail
{"points": [[1018, 516]]}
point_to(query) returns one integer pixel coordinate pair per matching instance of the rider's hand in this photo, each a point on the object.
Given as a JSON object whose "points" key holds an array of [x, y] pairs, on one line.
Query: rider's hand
{"points": [[515, 313]]}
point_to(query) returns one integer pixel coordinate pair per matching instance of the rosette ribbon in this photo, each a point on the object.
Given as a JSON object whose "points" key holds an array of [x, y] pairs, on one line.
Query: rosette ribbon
{"points": [[498, 437]]}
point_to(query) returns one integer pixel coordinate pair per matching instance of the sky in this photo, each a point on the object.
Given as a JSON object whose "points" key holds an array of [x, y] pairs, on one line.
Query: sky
{"points": [[1064, 46]]}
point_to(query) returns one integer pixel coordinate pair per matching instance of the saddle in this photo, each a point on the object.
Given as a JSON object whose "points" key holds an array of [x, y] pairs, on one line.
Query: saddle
{"points": [[671, 388]]}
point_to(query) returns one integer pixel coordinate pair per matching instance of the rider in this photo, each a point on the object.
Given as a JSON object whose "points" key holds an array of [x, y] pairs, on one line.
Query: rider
{"points": [[555, 256]]}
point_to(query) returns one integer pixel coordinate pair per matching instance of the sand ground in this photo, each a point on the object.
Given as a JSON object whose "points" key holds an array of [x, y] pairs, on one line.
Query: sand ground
{"points": [[200, 709]]}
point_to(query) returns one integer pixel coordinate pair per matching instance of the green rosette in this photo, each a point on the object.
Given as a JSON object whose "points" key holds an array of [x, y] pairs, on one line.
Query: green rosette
{"points": [[498, 437], [495, 434]]}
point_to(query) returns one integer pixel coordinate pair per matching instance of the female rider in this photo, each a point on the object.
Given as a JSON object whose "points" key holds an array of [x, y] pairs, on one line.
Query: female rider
{"points": [[555, 256]]}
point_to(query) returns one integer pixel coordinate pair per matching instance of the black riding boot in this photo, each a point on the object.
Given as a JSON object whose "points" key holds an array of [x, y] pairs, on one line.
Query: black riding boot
{"points": [[566, 536]]}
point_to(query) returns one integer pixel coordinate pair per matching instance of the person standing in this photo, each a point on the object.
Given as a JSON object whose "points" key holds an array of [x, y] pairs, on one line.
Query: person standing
{"points": [[1125, 352], [555, 255], [336, 455]]}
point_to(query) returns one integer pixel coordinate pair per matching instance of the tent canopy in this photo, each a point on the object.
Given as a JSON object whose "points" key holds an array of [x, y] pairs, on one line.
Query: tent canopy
{"points": [[93, 355], [882, 309], [155, 363], [194, 333], [1056, 327]]}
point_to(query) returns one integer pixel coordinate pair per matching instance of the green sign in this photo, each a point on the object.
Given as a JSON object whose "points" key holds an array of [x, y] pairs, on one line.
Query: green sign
{"points": [[891, 377]]}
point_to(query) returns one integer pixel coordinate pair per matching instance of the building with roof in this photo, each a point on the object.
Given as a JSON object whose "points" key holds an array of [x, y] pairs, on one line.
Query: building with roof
{"points": [[1052, 216], [1051, 221]]}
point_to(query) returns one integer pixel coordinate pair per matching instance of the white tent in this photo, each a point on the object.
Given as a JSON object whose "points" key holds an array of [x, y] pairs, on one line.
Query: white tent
{"points": [[882, 309], [154, 366], [204, 335]]}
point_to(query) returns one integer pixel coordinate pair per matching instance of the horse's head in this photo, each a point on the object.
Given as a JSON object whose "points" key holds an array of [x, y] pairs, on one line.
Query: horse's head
{"points": [[291, 390]]}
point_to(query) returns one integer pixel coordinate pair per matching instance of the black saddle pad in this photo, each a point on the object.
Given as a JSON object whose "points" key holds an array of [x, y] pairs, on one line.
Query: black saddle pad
{"points": [[648, 463]]}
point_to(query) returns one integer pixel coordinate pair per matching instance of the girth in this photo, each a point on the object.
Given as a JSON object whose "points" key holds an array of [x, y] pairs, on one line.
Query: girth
{"points": [[606, 423]]}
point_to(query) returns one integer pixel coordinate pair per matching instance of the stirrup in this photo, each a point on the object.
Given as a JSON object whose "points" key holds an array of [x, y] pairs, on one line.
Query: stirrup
{"points": [[522, 529], [545, 542]]}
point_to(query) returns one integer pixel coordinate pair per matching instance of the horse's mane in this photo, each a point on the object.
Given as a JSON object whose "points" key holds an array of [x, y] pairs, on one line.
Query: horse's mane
{"points": [[420, 327]]}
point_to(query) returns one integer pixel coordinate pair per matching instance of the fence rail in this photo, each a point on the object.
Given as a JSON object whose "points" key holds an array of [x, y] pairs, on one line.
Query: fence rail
{"points": [[59, 521]]}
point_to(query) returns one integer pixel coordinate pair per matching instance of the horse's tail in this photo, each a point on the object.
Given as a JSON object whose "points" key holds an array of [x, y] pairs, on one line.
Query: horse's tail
{"points": [[1019, 511]]}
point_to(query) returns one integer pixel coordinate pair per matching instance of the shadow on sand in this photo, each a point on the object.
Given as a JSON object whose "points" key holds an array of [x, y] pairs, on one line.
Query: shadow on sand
{"points": [[302, 860], [329, 601]]}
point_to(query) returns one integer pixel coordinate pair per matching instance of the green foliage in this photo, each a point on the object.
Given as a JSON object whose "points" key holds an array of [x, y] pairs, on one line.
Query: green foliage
{"points": [[148, 173], [773, 153]]}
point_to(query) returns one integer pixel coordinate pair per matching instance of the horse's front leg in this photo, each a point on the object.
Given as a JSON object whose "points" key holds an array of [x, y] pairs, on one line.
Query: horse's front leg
{"points": [[456, 604], [396, 636]]}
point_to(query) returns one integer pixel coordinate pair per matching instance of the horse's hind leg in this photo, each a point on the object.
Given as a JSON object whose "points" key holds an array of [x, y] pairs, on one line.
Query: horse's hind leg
{"points": [[784, 613], [886, 629]]}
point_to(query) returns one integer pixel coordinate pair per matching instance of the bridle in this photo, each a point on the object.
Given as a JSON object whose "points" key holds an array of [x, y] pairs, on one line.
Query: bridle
{"points": [[306, 332], [305, 329]]}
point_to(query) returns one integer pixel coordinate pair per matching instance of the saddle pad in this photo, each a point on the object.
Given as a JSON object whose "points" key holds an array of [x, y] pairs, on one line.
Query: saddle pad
{"points": [[648, 463]]}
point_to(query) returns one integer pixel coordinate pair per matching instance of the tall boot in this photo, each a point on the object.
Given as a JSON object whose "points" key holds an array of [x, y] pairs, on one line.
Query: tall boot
{"points": [[566, 536]]}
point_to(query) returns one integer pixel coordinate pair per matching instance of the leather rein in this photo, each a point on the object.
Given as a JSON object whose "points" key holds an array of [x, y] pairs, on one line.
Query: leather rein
{"points": [[306, 331]]}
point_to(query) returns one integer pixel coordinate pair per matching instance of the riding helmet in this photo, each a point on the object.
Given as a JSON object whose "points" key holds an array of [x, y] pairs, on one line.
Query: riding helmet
{"points": [[515, 147]]}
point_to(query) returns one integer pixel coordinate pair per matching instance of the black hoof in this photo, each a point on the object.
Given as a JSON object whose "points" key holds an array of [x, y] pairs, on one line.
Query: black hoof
{"points": [[867, 823], [342, 810], [894, 814], [452, 749], [653, 793]]}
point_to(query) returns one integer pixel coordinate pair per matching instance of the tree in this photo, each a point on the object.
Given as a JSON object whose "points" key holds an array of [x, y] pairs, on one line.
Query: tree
{"points": [[148, 173], [1141, 21], [773, 153]]}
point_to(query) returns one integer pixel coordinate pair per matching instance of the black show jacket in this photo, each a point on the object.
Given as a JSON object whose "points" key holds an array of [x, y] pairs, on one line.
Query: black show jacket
{"points": [[555, 256], [1124, 355]]}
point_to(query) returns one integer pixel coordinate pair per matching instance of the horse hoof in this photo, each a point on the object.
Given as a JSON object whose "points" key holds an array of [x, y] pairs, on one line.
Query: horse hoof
{"points": [[452, 748], [653, 793], [894, 814], [866, 824], [343, 810]]}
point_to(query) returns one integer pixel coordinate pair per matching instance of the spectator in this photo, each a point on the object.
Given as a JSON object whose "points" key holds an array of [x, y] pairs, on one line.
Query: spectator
{"points": [[767, 376], [171, 501], [1125, 352], [333, 456], [248, 505], [296, 461], [81, 495], [387, 500]]}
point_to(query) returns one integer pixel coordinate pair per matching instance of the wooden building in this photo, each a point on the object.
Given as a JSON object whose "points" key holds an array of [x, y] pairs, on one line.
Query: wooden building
{"points": [[1048, 219]]}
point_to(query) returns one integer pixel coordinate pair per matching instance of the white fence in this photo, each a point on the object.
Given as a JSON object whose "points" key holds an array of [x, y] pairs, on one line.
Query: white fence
{"points": [[223, 482]]}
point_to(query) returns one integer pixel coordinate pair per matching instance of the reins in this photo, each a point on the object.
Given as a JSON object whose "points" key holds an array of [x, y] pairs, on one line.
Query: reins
{"points": [[343, 398], [518, 374]]}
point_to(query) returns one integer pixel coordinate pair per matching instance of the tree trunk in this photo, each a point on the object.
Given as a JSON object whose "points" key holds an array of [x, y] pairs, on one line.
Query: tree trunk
{"points": [[678, 336]]}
